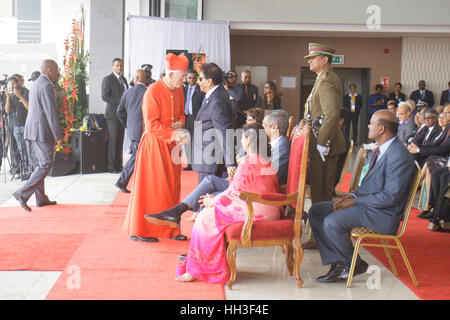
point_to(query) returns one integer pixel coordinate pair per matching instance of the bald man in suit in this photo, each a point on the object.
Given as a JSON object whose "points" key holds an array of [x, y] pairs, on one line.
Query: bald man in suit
{"points": [[42, 129], [377, 204]]}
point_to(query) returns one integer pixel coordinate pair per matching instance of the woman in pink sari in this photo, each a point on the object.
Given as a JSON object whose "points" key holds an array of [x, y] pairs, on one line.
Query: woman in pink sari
{"points": [[206, 258]]}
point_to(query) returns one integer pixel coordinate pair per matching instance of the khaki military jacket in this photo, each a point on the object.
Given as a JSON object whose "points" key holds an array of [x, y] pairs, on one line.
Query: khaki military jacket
{"points": [[326, 100]]}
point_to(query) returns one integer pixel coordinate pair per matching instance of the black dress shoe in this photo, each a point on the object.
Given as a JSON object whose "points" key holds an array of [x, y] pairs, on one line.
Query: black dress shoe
{"points": [[427, 215], [182, 257], [164, 219], [22, 202], [143, 239], [179, 237], [338, 272], [122, 188], [46, 203], [361, 268]]}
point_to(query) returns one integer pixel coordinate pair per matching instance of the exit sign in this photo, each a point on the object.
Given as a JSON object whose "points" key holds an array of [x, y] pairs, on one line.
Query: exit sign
{"points": [[338, 59]]}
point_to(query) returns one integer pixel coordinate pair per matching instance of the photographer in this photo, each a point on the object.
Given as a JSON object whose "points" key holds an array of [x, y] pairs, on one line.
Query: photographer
{"points": [[235, 92], [16, 106]]}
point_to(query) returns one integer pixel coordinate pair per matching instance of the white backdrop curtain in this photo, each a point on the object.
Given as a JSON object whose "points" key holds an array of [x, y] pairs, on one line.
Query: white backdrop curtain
{"points": [[150, 37]]}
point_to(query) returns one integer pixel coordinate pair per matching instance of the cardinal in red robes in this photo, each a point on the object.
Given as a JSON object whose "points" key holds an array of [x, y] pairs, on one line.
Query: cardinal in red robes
{"points": [[157, 173]]}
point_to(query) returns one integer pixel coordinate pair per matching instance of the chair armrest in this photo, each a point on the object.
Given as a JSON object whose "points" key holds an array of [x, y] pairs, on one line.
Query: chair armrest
{"points": [[275, 199]]}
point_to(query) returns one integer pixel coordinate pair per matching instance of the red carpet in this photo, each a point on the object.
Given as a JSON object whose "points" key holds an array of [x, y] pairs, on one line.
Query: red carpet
{"points": [[46, 238], [429, 255], [113, 267], [427, 251]]}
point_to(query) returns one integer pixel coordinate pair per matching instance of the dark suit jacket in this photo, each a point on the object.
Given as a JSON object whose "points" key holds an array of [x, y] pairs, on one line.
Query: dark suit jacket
{"points": [[280, 153], [197, 100], [129, 111], [249, 96], [401, 97], [212, 121], [406, 130], [383, 191], [429, 99], [347, 103], [445, 97], [42, 122], [441, 146], [112, 92], [420, 136]]}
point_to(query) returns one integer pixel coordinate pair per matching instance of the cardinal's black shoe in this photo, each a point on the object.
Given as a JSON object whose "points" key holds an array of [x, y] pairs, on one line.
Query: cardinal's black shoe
{"points": [[179, 237]]}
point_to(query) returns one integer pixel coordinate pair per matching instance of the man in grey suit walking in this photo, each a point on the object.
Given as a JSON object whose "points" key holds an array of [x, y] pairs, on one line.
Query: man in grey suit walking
{"points": [[377, 204], [129, 113], [42, 129]]}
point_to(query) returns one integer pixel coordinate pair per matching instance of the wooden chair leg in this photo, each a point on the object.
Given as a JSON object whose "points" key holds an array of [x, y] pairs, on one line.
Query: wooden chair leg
{"points": [[289, 258], [353, 264], [298, 258], [388, 253], [408, 265], [231, 258]]}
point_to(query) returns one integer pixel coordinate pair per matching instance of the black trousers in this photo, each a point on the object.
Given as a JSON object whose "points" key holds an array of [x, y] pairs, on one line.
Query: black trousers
{"points": [[440, 180], [352, 120], [114, 145], [128, 169]]}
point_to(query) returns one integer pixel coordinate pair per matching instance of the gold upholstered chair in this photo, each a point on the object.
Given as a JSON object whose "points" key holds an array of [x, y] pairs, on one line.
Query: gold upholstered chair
{"points": [[363, 234]]}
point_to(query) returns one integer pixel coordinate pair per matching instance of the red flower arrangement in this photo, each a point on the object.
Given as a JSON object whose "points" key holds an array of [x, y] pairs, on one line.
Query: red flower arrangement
{"points": [[71, 87]]}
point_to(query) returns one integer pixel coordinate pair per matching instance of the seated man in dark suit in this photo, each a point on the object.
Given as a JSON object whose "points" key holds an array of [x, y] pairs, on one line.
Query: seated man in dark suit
{"points": [[438, 202], [445, 96], [423, 95], [377, 204], [406, 125], [276, 124], [426, 136]]}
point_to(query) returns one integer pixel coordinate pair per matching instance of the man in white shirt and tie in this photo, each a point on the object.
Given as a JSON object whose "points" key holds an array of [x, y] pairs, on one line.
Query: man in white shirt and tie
{"points": [[423, 96], [193, 98], [113, 87]]}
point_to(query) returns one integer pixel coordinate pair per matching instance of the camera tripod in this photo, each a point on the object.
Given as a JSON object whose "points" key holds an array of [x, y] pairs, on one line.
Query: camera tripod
{"points": [[23, 164], [3, 148]]}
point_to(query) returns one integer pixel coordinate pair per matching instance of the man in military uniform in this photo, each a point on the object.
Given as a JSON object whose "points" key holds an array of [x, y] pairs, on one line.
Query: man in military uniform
{"points": [[324, 106]]}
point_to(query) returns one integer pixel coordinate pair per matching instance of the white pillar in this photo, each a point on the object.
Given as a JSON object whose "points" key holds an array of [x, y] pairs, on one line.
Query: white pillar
{"points": [[106, 43]]}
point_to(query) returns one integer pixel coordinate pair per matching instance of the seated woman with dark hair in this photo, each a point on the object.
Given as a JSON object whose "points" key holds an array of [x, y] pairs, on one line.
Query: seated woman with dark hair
{"points": [[270, 99], [206, 258], [255, 115]]}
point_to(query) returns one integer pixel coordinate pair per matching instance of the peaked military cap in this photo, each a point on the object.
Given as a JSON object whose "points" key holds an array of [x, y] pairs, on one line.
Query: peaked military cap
{"points": [[316, 49]]}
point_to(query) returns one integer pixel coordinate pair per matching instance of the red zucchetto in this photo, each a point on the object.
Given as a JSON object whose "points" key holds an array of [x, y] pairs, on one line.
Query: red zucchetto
{"points": [[176, 63]]}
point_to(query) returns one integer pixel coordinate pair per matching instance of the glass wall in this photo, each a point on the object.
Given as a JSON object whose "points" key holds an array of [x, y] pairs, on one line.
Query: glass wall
{"points": [[182, 9]]}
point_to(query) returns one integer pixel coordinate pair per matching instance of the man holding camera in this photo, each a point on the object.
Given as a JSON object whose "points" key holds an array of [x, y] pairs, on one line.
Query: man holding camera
{"points": [[16, 106], [235, 92]]}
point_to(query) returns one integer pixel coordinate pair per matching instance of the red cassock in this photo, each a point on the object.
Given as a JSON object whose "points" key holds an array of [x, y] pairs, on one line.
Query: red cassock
{"points": [[156, 185]]}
